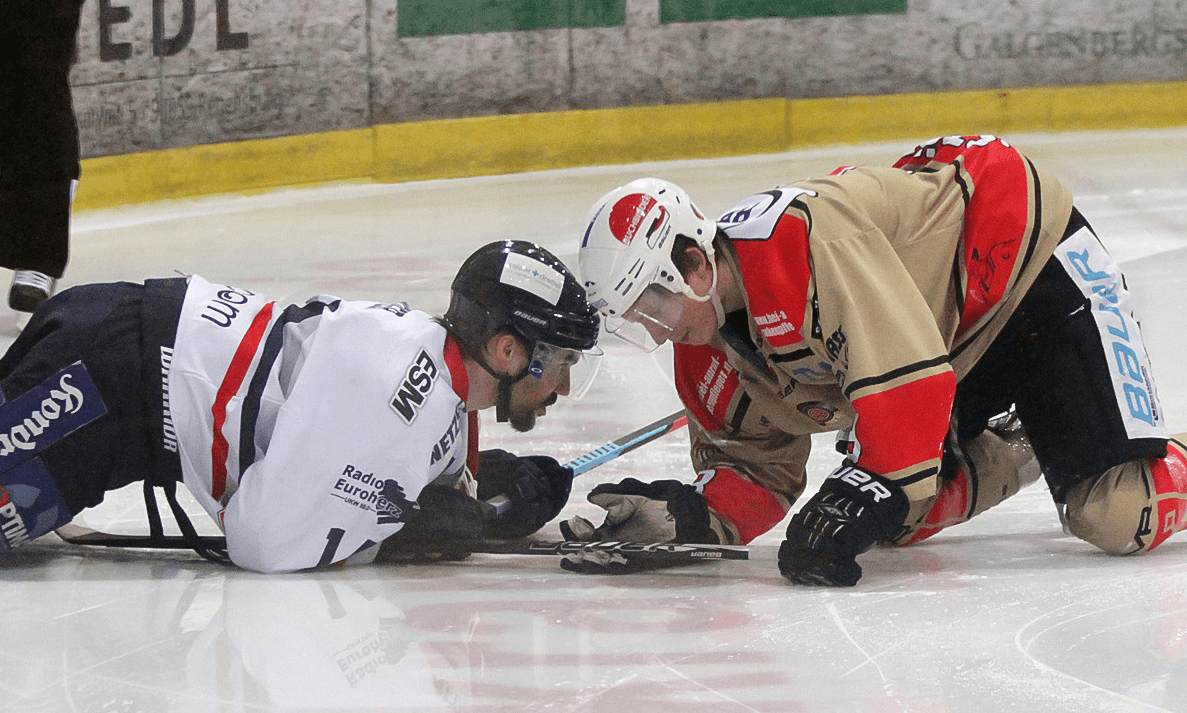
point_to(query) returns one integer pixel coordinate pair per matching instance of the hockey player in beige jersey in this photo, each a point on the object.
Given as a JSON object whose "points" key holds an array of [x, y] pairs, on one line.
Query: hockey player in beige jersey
{"points": [[908, 308]]}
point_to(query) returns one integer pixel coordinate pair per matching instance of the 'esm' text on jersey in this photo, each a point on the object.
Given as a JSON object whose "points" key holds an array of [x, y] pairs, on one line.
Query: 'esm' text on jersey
{"points": [[418, 382]]}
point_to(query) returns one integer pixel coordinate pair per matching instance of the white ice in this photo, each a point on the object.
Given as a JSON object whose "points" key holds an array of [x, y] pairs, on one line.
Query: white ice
{"points": [[1005, 613]]}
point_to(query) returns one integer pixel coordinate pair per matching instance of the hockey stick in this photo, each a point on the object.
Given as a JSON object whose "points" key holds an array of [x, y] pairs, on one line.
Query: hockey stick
{"points": [[666, 550], [79, 535], [613, 449], [628, 443]]}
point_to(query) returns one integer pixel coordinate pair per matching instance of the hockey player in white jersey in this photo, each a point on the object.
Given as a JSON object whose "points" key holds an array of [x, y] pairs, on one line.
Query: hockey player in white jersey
{"points": [[328, 432]]}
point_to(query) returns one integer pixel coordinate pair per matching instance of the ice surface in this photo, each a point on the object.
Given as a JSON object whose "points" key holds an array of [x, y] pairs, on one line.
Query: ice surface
{"points": [[1005, 613]]}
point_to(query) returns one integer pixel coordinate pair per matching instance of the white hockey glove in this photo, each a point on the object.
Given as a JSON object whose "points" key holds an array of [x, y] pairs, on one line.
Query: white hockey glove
{"points": [[662, 511]]}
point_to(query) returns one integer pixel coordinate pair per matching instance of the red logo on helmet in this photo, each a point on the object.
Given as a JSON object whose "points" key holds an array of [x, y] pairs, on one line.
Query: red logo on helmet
{"points": [[627, 216]]}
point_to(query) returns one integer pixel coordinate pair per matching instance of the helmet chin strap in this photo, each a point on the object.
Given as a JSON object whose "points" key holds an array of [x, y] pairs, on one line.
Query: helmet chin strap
{"points": [[711, 296], [505, 382], [503, 403], [718, 309], [713, 293], [503, 400]]}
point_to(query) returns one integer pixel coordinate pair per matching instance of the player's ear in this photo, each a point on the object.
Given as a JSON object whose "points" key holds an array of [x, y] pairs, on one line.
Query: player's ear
{"points": [[695, 268], [505, 353], [700, 259], [688, 257]]}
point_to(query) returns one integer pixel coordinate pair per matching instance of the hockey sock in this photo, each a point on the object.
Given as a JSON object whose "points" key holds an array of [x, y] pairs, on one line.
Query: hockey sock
{"points": [[1170, 485], [951, 507]]}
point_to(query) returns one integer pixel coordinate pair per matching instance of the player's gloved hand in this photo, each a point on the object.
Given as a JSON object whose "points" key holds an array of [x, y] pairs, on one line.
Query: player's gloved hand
{"points": [[536, 489], [662, 511], [853, 509], [441, 525]]}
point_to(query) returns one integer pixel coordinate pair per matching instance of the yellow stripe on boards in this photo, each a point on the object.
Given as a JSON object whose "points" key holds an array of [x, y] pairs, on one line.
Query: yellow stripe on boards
{"points": [[453, 148], [235, 167]]}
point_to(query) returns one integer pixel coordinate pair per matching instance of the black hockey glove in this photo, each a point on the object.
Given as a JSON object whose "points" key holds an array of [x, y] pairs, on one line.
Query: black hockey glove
{"points": [[443, 523], [853, 509], [663, 511], [537, 488]]}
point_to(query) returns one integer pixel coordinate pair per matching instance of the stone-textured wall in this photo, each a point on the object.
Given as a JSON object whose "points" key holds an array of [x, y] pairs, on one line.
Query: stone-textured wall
{"points": [[156, 74]]}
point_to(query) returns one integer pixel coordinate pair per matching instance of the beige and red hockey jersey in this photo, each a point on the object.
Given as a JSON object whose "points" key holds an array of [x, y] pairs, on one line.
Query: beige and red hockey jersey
{"points": [[869, 294]]}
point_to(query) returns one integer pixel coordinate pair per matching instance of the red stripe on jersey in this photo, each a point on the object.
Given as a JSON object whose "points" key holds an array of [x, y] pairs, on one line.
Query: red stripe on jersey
{"points": [[749, 507], [776, 274], [706, 383], [460, 378], [995, 227], [995, 219], [472, 444], [904, 426], [237, 371]]}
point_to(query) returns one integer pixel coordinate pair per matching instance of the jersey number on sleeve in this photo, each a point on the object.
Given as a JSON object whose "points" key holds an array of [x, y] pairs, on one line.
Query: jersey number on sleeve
{"points": [[754, 218], [333, 539]]}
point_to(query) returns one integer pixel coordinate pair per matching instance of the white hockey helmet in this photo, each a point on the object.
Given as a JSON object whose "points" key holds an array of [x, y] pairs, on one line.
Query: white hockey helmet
{"points": [[628, 246]]}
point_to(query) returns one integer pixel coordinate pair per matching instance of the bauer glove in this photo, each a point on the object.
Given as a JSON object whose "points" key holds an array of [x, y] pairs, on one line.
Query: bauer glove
{"points": [[853, 509], [663, 511], [536, 488]]}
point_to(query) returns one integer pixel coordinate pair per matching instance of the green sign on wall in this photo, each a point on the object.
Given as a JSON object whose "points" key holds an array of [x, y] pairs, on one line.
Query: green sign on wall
{"points": [[707, 10], [422, 18], [425, 18]]}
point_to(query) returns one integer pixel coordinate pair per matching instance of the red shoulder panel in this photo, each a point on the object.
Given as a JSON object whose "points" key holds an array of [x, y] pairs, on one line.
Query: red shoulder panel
{"points": [[776, 275]]}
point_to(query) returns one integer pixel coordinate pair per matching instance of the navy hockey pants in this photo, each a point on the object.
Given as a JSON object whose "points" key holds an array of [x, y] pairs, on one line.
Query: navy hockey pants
{"points": [[120, 333]]}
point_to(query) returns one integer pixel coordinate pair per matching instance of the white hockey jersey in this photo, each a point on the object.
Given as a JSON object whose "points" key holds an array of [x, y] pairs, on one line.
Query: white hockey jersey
{"points": [[307, 431]]}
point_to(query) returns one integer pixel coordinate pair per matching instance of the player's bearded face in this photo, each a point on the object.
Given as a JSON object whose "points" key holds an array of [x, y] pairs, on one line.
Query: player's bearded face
{"points": [[530, 397], [522, 416]]}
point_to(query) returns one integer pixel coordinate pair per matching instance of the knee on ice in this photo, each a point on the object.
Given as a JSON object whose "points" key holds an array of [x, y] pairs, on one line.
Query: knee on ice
{"points": [[1132, 507]]}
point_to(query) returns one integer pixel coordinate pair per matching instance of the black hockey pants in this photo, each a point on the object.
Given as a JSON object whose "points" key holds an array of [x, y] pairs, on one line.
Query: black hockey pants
{"points": [[1074, 370], [120, 333]]}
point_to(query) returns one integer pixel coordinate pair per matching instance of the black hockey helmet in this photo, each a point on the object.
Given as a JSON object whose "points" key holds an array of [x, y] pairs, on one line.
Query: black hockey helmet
{"points": [[518, 285]]}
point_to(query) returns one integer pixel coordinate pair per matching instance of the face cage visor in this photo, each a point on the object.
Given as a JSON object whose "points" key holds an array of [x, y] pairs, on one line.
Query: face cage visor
{"points": [[651, 320], [571, 368]]}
